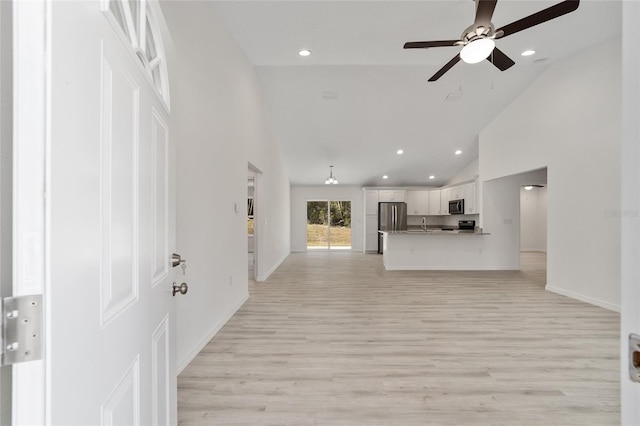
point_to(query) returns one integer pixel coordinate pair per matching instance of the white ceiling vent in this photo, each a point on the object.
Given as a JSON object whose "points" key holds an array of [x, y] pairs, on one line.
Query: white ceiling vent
{"points": [[329, 96]]}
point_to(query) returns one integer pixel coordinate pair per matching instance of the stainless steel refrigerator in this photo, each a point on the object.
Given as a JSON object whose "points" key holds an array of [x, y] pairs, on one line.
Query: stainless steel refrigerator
{"points": [[391, 217]]}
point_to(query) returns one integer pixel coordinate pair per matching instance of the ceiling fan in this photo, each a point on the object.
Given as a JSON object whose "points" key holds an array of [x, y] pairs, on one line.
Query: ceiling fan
{"points": [[477, 41]]}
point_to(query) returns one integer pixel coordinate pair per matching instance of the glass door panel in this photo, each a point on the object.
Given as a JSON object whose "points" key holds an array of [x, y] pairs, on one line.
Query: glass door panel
{"points": [[317, 225], [340, 225], [329, 225]]}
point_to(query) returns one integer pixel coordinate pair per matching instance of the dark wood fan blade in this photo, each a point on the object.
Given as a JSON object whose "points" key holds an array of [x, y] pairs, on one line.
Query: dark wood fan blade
{"points": [[545, 15], [484, 12], [500, 60], [446, 68], [427, 44]]}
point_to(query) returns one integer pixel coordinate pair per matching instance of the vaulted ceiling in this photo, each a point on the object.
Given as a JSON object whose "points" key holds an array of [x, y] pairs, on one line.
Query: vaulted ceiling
{"points": [[359, 96]]}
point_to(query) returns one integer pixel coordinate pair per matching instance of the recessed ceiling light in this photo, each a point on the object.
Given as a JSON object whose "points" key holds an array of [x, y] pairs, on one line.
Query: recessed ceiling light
{"points": [[304, 52], [528, 53], [385, 177], [399, 152], [528, 187], [432, 177], [458, 152]]}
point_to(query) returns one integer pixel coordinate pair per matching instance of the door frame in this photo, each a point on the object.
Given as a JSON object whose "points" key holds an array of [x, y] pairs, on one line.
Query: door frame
{"points": [[257, 229], [31, 141], [629, 209], [6, 184]]}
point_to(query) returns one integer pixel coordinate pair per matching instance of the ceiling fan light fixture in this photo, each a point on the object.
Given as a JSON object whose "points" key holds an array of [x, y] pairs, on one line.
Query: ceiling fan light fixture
{"points": [[477, 50]]}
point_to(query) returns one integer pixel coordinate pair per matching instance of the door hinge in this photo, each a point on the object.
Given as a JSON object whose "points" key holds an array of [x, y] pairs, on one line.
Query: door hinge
{"points": [[21, 339]]}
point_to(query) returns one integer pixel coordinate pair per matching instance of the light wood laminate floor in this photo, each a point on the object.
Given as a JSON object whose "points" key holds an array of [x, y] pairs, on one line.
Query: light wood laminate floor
{"points": [[333, 339]]}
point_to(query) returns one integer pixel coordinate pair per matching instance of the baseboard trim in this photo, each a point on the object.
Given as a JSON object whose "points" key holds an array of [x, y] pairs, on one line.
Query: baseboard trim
{"points": [[200, 346], [452, 268], [532, 251], [582, 298], [272, 270]]}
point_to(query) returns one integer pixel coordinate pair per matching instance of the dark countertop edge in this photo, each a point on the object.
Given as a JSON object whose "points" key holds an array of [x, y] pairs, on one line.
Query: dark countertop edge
{"points": [[432, 233]]}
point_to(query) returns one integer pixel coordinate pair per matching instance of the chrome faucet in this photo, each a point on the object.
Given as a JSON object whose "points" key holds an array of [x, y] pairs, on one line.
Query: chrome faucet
{"points": [[424, 223]]}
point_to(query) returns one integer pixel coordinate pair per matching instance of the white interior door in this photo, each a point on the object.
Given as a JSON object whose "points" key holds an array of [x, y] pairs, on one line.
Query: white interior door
{"points": [[109, 355]]}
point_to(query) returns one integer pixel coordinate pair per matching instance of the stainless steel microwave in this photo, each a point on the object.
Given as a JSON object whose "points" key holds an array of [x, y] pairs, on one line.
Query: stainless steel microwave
{"points": [[456, 207]]}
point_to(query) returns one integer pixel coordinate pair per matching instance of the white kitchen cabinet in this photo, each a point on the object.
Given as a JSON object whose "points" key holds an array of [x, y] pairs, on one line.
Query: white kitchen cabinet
{"points": [[412, 202], [387, 195], [445, 196], [371, 233], [417, 203], [370, 201], [456, 192], [471, 198], [434, 203]]}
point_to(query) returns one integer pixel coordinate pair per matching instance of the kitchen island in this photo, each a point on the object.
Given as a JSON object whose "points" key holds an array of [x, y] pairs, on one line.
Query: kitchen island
{"points": [[434, 250]]}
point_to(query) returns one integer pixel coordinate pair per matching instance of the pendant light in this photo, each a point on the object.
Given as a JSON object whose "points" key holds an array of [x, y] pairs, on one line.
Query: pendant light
{"points": [[331, 179]]}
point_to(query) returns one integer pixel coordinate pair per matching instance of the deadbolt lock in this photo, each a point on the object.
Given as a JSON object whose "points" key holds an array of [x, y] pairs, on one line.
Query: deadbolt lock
{"points": [[177, 260]]}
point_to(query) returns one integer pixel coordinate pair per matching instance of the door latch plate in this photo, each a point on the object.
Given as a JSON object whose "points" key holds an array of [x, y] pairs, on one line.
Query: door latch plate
{"points": [[634, 357], [21, 329]]}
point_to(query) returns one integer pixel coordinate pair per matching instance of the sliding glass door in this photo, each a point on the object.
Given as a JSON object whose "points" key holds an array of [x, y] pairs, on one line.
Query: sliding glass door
{"points": [[328, 225]]}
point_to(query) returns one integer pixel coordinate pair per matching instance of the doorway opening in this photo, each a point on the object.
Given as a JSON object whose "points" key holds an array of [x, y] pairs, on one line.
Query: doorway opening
{"points": [[533, 223], [328, 225], [254, 177], [251, 226]]}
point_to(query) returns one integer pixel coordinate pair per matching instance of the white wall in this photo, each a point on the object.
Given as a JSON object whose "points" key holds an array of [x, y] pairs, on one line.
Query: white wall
{"points": [[533, 219], [219, 124], [569, 120], [469, 172], [301, 194]]}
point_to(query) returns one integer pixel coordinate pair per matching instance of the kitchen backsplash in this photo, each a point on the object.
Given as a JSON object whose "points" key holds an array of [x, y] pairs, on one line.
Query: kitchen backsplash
{"points": [[449, 220]]}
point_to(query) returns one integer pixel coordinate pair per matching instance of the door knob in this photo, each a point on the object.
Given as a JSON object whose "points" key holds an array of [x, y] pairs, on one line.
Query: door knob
{"points": [[182, 288]]}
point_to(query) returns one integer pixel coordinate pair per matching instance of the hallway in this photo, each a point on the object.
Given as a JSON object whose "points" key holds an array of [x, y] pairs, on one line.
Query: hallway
{"points": [[332, 338]]}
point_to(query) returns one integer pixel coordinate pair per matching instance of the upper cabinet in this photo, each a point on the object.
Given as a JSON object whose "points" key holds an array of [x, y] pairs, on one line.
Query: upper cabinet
{"points": [[471, 198], [417, 203], [424, 202], [466, 192], [387, 195], [434, 203], [445, 196], [456, 192]]}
